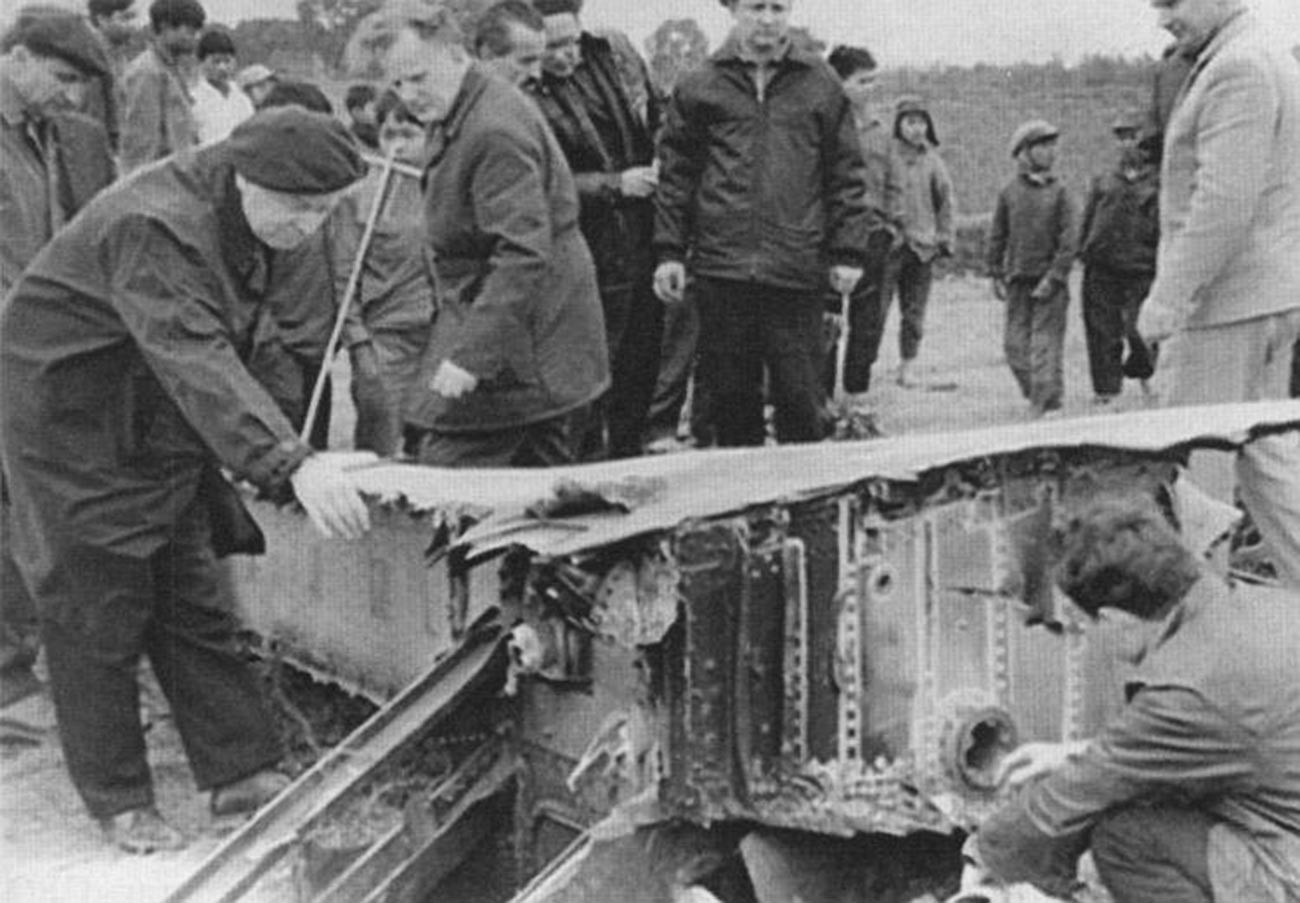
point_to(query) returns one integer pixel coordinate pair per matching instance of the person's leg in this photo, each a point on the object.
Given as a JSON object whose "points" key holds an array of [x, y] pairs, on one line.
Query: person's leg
{"points": [[1138, 363], [677, 362], [913, 299], [94, 608], [731, 363], [1016, 334], [216, 700], [1047, 350], [1154, 855], [19, 626], [868, 306], [791, 326], [634, 372], [1103, 329], [1268, 469]]}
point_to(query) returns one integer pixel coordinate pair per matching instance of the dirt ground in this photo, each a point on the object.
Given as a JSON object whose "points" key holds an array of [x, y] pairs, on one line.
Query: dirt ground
{"points": [[51, 852]]}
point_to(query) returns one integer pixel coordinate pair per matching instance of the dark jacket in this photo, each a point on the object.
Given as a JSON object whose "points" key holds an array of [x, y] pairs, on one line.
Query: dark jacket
{"points": [[761, 189], [1212, 723], [157, 112], [617, 229], [122, 382], [1034, 231], [517, 300], [1121, 220]]}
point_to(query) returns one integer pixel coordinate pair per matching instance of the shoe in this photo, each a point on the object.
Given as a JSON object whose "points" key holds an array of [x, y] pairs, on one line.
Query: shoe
{"points": [[1102, 400], [248, 794], [141, 831], [906, 377]]}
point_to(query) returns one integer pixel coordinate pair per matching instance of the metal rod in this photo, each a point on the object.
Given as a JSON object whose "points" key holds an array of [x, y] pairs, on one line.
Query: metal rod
{"points": [[354, 280]]}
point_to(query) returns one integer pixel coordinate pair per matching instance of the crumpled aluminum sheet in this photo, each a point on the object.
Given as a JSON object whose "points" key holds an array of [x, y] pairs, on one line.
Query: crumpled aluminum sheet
{"points": [[715, 482]]}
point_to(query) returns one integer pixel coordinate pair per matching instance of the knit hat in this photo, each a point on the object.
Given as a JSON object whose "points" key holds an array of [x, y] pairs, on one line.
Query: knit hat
{"points": [[1032, 132], [48, 32], [294, 150], [912, 105]]}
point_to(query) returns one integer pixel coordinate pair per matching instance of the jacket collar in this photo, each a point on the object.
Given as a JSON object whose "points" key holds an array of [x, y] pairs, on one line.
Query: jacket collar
{"points": [[242, 251], [1035, 177], [1192, 606], [1233, 26], [471, 88], [12, 109], [732, 53]]}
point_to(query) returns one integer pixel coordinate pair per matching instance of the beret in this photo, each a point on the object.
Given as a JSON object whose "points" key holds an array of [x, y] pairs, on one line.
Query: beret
{"points": [[64, 36], [295, 150], [1032, 132], [557, 7]]}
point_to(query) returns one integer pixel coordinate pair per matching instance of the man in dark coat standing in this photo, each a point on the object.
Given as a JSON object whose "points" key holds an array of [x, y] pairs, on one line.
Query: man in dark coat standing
{"points": [[52, 161], [761, 195], [609, 143], [122, 391], [519, 342]]}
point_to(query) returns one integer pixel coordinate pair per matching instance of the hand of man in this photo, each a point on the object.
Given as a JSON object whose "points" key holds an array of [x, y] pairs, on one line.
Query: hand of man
{"points": [[1032, 760], [1156, 323], [999, 288], [844, 279], [451, 381], [670, 281], [1045, 288], [638, 182], [328, 493]]}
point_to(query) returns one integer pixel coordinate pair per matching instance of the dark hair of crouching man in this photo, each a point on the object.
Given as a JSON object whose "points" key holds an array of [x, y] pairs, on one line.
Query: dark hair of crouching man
{"points": [[123, 393], [1192, 792]]}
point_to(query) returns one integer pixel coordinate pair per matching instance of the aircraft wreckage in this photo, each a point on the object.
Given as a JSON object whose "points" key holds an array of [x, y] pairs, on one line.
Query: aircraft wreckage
{"points": [[630, 680]]}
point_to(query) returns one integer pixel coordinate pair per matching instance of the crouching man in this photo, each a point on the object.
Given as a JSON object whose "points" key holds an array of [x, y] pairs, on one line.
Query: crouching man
{"points": [[1193, 792], [123, 390]]}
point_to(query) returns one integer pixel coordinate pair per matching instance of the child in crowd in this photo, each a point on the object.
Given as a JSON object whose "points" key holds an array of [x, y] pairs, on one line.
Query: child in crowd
{"points": [[1030, 249], [924, 213], [1121, 228], [390, 318]]}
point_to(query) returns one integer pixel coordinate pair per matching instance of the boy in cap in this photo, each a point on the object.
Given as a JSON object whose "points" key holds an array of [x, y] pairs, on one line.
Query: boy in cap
{"points": [[1118, 239], [219, 104], [123, 393], [925, 211], [1031, 247], [52, 161]]}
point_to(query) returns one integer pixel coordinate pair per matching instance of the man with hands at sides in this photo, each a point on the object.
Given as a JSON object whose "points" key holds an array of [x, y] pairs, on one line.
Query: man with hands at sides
{"points": [[1192, 792], [123, 394], [762, 181]]}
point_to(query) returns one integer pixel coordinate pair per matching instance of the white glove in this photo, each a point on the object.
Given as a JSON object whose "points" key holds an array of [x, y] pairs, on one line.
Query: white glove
{"points": [[1030, 760], [328, 493]]}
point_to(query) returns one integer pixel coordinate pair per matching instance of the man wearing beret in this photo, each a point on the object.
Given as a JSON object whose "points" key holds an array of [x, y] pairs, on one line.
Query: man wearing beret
{"points": [[52, 161], [123, 391]]}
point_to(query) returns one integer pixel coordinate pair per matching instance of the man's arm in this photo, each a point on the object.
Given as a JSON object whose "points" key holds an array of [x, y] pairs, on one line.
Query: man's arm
{"points": [[142, 117], [844, 180], [681, 161], [1089, 211], [1168, 744], [1233, 145], [999, 227], [945, 204], [511, 210], [172, 308]]}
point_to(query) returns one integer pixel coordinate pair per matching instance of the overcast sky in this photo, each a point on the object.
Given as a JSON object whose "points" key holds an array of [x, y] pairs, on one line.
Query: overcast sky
{"points": [[898, 31]]}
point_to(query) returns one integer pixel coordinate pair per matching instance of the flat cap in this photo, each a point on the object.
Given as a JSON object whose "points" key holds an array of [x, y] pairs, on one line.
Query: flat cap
{"points": [[251, 75], [1032, 132], [1128, 121], [295, 150], [47, 32]]}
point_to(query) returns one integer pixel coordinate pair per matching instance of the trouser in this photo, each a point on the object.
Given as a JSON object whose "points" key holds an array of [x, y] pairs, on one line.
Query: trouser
{"points": [[1154, 855], [100, 612], [19, 626], [910, 277], [634, 322], [745, 327], [545, 443], [678, 347], [1034, 342], [868, 307], [1111, 302], [1248, 360], [379, 426]]}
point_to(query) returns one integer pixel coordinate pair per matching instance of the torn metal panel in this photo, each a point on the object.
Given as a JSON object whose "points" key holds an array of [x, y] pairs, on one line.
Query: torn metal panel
{"points": [[720, 481]]}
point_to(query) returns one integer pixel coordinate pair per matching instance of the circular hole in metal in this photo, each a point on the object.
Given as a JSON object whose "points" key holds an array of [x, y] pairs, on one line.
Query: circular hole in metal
{"points": [[882, 581], [983, 742]]}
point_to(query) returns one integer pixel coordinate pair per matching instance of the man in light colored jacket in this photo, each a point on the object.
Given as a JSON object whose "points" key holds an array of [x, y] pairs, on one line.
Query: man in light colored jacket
{"points": [[1225, 304]]}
